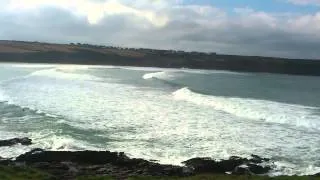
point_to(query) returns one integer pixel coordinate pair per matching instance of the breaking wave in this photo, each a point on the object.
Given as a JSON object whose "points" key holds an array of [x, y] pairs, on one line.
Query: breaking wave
{"points": [[32, 65], [62, 73], [268, 111], [52, 142], [62, 143], [159, 75], [169, 75]]}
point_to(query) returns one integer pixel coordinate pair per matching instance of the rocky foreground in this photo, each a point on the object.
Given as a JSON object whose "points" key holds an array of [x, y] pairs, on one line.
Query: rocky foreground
{"points": [[69, 165]]}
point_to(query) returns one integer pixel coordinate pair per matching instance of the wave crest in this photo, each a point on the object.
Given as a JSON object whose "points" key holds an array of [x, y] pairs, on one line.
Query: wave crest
{"points": [[60, 73], [160, 74], [269, 111]]}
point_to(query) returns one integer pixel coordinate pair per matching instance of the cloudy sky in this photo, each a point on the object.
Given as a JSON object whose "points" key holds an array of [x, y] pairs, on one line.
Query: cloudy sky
{"points": [[285, 28]]}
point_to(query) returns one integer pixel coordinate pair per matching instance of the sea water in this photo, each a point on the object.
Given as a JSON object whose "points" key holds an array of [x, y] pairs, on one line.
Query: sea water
{"points": [[169, 115]]}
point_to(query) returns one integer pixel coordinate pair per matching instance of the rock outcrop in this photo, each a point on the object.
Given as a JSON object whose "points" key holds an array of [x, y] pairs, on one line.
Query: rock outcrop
{"points": [[65, 164], [68, 165], [14, 141], [234, 165], [317, 175]]}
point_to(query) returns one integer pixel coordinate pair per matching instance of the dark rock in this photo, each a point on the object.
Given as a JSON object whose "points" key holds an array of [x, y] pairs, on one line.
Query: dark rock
{"points": [[102, 170], [207, 165], [153, 160], [187, 171], [67, 165], [93, 167], [72, 168], [317, 175], [258, 169], [84, 157], [233, 162], [201, 165], [95, 162], [251, 169], [235, 165], [18, 164], [42, 165], [14, 141], [172, 171], [4, 161], [257, 159], [241, 170]]}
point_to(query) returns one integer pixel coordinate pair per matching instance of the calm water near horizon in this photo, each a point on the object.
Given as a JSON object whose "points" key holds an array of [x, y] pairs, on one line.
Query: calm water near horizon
{"points": [[169, 115]]}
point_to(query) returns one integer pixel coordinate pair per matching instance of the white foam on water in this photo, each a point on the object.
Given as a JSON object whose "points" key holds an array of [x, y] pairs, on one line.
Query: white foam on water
{"points": [[281, 168], [62, 143], [13, 79], [72, 67], [224, 72], [186, 70], [310, 170], [47, 142], [62, 73], [2, 96], [147, 68], [203, 71], [172, 74], [120, 117], [12, 151], [159, 75], [269, 111], [32, 65]]}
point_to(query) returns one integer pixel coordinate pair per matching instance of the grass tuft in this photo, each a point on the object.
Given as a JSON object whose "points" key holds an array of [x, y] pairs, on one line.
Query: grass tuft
{"points": [[25, 173]]}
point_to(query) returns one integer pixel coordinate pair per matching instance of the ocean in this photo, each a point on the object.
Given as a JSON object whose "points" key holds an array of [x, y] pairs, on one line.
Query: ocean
{"points": [[168, 115]]}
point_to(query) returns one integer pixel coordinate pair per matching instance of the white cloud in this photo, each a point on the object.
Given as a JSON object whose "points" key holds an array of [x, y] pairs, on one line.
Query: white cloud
{"points": [[163, 24], [307, 23], [305, 2], [95, 11], [249, 17]]}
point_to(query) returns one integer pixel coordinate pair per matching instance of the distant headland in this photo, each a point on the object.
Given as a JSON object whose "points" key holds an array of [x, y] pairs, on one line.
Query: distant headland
{"points": [[77, 53]]}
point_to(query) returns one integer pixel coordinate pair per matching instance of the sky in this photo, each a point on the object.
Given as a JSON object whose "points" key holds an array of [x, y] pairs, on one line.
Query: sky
{"points": [[277, 28]]}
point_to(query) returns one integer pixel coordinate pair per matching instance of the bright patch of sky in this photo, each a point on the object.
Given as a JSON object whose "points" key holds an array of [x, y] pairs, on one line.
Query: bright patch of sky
{"points": [[292, 6]]}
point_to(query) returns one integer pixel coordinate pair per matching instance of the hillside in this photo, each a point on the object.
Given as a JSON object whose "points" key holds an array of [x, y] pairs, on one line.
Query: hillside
{"points": [[36, 52]]}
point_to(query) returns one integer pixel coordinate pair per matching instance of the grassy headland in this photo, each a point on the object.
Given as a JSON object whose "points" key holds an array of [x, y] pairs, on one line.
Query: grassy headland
{"points": [[76, 53]]}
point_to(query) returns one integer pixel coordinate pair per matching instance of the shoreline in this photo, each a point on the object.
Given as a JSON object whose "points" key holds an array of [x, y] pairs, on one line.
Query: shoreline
{"points": [[86, 54]]}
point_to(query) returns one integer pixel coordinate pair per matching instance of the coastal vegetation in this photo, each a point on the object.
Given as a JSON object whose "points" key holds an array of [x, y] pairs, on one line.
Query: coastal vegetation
{"points": [[77, 53], [18, 173]]}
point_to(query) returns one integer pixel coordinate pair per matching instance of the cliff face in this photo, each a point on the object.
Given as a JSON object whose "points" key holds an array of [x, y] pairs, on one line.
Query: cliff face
{"points": [[35, 52]]}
